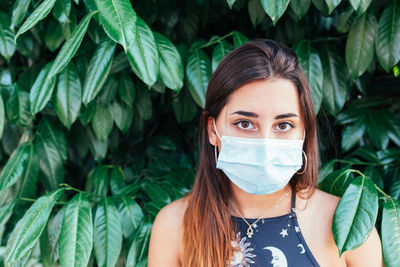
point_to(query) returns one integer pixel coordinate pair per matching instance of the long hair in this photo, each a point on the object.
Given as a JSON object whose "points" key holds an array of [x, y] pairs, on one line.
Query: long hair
{"points": [[207, 223]]}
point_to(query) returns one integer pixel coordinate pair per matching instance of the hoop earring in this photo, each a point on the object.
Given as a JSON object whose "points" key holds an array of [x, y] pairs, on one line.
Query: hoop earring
{"points": [[305, 156]]}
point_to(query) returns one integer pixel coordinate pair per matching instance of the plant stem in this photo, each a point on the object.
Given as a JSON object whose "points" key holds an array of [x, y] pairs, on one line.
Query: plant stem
{"points": [[216, 40]]}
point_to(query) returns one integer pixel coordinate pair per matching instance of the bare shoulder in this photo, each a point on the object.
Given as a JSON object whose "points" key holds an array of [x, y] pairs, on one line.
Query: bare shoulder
{"points": [[320, 202], [166, 235]]}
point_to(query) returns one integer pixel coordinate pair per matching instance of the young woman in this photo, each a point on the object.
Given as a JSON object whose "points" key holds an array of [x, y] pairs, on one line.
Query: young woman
{"points": [[254, 201]]}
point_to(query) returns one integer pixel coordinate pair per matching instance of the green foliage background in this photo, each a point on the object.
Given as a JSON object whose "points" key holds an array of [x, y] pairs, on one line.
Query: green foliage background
{"points": [[100, 103]]}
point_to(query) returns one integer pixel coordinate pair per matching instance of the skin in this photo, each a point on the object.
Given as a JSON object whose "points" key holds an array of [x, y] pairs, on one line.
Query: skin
{"points": [[273, 111]]}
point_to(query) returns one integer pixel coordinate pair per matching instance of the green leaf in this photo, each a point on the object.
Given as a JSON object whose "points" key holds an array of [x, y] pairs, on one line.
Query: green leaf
{"points": [[143, 102], [360, 44], [67, 101], [26, 186], [18, 109], [119, 20], [220, 52], [184, 107], [31, 227], [42, 89], [37, 15], [230, 3], [102, 122], [332, 4], [19, 12], [355, 215], [97, 181], [198, 72], [117, 180], [76, 238], [300, 7], [143, 54], [345, 20], [336, 80], [360, 6], [239, 39], [70, 46], [98, 148], [157, 194], [337, 182], [391, 232], [352, 134], [387, 41], [126, 89], [311, 64], [6, 211], [256, 12], [140, 244], [2, 117], [7, 45], [53, 37], [61, 10], [171, 66], [274, 8], [131, 215], [54, 135], [98, 70], [107, 234], [122, 115], [14, 168], [377, 130]]}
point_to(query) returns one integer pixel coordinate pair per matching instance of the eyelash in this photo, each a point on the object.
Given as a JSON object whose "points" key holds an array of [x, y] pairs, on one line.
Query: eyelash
{"points": [[285, 122]]}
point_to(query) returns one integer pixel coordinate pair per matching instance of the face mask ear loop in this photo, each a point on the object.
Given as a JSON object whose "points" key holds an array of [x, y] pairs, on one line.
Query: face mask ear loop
{"points": [[215, 147], [305, 165]]}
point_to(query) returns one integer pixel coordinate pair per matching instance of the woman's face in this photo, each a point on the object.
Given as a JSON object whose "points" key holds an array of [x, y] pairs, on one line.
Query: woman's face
{"points": [[260, 109]]}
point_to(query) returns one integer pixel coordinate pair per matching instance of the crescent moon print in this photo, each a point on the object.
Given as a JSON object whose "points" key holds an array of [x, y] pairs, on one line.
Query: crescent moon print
{"points": [[302, 248], [278, 258]]}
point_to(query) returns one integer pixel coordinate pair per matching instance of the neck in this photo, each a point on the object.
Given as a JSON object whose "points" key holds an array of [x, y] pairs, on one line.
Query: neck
{"points": [[254, 206]]}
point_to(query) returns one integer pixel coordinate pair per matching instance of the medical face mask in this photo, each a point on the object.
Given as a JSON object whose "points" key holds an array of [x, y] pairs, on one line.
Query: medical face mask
{"points": [[259, 166]]}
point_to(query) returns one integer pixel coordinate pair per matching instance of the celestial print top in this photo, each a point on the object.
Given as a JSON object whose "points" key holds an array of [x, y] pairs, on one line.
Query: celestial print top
{"points": [[276, 241]]}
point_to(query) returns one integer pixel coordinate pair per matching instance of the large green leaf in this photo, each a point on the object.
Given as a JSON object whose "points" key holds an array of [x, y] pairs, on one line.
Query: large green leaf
{"points": [[387, 41], [18, 108], [107, 234], [143, 101], [157, 194], [119, 20], [219, 53], [7, 45], [391, 232], [171, 67], [230, 3], [360, 44], [140, 244], [126, 89], [67, 101], [332, 4], [2, 116], [377, 130], [274, 8], [239, 39], [42, 89], [19, 12], [98, 70], [300, 7], [355, 215], [198, 73], [352, 134], [131, 215], [122, 115], [143, 54], [70, 46], [37, 15], [98, 180], [336, 81], [102, 122], [256, 12], [14, 168], [184, 107], [360, 5], [31, 227], [26, 186], [76, 238], [311, 64], [61, 10], [53, 37], [337, 182], [54, 135]]}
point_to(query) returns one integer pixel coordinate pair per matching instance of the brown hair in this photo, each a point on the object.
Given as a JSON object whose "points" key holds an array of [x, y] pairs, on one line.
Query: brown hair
{"points": [[207, 221]]}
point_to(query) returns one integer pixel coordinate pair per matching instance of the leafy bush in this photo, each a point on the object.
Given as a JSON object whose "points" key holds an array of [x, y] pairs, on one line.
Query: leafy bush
{"points": [[100, 102]]}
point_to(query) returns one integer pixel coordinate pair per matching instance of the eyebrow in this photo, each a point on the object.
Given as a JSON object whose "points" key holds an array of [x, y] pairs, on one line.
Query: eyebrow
{"points": [[286, 115], [255, 115]]}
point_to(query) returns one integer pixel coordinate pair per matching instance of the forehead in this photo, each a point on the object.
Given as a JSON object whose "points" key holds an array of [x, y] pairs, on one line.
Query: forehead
{"points": [[266, 97]]}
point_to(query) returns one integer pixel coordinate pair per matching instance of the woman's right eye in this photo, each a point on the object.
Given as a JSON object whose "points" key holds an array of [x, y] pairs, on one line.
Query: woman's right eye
{"points": [[245, 125]]}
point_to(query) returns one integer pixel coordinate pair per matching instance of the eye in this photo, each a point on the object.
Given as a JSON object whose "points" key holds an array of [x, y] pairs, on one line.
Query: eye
{"points": [[284, 126], [245, 125]]}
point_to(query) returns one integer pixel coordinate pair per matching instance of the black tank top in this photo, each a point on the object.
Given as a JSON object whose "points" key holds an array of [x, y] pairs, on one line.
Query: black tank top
{"points": [[276, 241]]}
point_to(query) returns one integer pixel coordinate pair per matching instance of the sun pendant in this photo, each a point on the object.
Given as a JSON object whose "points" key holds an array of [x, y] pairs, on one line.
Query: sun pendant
{"points": [[250, 232]]}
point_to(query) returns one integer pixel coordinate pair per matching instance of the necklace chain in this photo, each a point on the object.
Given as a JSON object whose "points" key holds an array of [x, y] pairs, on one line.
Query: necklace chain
{"points": [[250, 230]]}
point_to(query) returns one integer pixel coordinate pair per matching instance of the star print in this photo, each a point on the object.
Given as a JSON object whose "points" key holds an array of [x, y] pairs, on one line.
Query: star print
{"points": [[297, 229], [284, 232], [288, 225], [255, 226]]}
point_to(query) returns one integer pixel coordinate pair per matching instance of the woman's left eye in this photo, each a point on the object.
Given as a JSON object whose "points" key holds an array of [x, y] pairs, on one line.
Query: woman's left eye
{"points": [[284, 126]]}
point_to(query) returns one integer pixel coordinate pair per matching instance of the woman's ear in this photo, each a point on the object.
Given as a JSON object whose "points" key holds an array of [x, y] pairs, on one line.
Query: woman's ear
{"points": [[212, 135]]}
